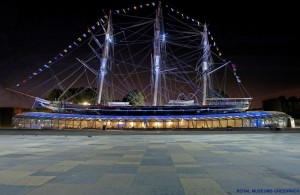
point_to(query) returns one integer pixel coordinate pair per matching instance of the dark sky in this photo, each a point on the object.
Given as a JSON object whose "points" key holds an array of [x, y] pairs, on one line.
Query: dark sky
{"points": [[262, 39]]}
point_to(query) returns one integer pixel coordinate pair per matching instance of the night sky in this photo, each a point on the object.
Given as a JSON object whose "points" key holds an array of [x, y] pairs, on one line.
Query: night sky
{"points": [[263, 40]]}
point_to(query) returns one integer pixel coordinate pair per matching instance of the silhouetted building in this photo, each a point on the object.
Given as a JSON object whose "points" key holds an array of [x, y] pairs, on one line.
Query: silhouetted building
{"points": [[7, 114], [272, 104], [291, 106]]}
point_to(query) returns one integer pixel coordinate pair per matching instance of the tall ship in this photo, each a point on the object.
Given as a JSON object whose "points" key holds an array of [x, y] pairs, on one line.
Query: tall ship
{"points": [[145, 60]]}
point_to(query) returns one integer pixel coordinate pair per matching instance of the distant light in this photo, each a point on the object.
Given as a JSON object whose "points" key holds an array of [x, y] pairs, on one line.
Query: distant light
{"points": [[108, 37], [85, 103], [164, 37]]}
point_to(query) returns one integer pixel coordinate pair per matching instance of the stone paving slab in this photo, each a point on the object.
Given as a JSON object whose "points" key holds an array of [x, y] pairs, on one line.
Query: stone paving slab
{"points": [[150, 164]]}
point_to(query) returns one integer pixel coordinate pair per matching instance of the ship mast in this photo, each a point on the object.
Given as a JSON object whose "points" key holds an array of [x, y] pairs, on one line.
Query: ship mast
{"points": [[105, 55], [205, 64], [157, 52]]}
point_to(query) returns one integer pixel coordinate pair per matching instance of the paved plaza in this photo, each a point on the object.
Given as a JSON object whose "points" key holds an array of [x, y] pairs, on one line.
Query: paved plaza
{"points": [[150, 163]]}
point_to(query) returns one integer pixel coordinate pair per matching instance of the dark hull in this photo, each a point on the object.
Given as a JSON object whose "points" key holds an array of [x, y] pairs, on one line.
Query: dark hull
{"points": [[157, 110]]}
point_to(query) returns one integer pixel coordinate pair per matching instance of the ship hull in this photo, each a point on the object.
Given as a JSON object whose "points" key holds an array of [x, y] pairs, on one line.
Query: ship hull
{"points": [[157, 110]]}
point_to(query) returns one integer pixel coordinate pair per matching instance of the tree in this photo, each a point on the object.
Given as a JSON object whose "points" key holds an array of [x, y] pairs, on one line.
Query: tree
{"points": [[81, 94], [88, 95], [54, 94], [284, 104], [75, 95], [293, 101], [135, 98]]}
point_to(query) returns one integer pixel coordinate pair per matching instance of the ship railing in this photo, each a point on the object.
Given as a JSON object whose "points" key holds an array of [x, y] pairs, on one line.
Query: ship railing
{"points": [[180, 102], [40, 100], [229, 101]]}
